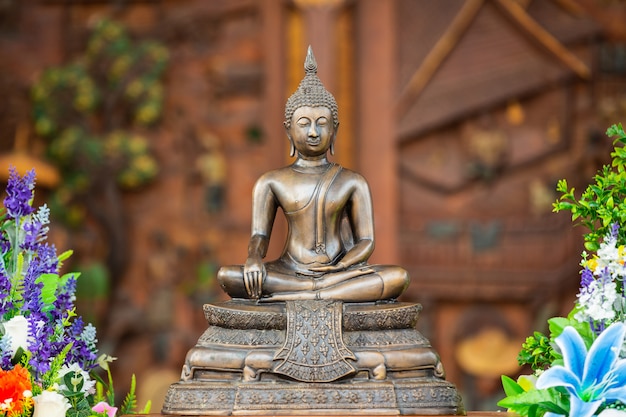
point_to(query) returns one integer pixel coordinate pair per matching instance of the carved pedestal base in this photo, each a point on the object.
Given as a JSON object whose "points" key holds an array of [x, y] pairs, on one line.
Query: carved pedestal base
{"points": [[312, 357], [416, 397]]}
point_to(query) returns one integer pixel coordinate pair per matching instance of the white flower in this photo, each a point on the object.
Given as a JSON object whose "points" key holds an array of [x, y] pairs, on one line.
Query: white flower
{"points": [[611, 256], [77, 379], [50, 404], [104, 360], [608, 252], [17, 330], [597, 301]]}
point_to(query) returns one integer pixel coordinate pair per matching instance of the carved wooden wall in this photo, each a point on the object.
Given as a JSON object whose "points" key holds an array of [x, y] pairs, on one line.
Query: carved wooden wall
{"points": [[496, 105]]}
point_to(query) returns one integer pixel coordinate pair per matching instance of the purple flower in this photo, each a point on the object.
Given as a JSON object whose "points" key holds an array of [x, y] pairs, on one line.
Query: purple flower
{"points": [[32, 231], [40, 295], [33, 303], [614, 230], [6, 303], [65, 297], [46, 261], [20, 193], [586, 278], [605, 276], [5, 245], [36, 230], [82, 351], [6, 353], [39, 343]]}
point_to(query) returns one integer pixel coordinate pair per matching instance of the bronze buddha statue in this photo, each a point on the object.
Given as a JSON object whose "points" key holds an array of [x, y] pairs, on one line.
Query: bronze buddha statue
{"points": [[329, 215], [317, 330]]}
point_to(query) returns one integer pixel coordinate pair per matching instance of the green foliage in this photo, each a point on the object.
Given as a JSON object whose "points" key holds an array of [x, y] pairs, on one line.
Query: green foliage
{"points": [[130, 402], [106, 392], [80, 407], [90, 110], [533, 403], [603, 203], [601, 206], [537, 352], [49, 378], [557, 324], [50, 284]]}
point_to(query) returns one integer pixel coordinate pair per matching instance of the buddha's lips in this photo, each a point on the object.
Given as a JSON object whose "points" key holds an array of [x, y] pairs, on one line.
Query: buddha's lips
{"points": [[313, 141]]}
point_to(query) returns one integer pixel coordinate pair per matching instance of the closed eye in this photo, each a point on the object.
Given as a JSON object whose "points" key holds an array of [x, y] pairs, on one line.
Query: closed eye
{"points": [[303, 122]]}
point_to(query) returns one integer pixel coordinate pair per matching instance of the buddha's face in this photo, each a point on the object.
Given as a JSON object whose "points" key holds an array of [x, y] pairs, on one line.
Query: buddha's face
{"points": [[311, 131]]}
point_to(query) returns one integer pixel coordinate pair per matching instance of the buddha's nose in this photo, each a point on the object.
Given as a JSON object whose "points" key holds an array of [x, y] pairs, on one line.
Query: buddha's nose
{"points": [[313, 130]]}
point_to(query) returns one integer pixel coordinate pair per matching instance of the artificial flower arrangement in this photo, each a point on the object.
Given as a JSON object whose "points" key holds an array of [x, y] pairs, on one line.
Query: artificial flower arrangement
{"points": [[48, 356], [579, 369]]}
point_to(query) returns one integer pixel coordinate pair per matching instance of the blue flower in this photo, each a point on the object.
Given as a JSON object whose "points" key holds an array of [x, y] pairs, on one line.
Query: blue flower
{"points": [[591, 378]]}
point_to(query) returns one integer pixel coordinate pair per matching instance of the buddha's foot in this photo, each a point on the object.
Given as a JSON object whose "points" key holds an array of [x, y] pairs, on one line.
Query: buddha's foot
{"points": [[289, 296], [335, 278], [250, 374]]}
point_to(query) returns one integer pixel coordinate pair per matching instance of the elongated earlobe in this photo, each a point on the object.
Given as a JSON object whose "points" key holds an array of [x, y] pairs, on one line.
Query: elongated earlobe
{"points": [[332, 141], [292, 147]]}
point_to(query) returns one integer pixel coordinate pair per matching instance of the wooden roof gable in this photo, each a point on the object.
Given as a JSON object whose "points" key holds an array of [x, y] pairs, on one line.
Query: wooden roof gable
{"points": [[458, 57]]}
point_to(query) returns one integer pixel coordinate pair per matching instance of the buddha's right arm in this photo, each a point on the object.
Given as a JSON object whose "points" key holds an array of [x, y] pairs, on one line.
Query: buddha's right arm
{"points": [[257, 247], [254, 271], [263, 214]]}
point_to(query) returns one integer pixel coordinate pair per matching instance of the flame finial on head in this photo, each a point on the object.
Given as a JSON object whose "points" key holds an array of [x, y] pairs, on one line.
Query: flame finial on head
{"points": [[311, 92], [310, 64]]}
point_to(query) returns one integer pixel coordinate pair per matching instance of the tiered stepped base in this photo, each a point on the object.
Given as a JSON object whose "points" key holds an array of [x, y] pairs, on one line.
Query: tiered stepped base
{"points": [[312, 357]]}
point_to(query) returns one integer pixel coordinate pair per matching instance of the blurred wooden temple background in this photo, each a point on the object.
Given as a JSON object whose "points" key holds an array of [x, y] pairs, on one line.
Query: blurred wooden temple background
{"points": [[462, 115]]}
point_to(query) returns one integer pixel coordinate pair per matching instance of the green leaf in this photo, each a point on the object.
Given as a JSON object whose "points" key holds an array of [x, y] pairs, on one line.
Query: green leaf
{"points": [[50, 377], [555, 408], [615, 130], [19, 356], [48, 292], [545, 399], [80, 409], [510, 386], [64, 256], [592, 246], [557, 324], [130, 402], [146, 408], [74, 381]]}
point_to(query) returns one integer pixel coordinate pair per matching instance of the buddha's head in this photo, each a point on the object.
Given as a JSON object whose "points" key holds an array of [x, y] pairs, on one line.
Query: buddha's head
{"points": [[311, 93]]}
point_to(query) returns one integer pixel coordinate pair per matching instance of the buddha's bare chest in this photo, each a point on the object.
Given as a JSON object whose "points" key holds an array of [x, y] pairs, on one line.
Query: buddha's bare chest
{"points": [[308, 192]]}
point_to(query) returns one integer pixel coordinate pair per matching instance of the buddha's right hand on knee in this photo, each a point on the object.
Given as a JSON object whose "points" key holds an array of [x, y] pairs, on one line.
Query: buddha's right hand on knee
{"points": [[253, 276]]}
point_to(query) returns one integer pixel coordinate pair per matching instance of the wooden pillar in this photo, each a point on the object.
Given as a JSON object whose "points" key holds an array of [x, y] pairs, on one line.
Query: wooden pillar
{"points": [[320, 32], [273, 109], [326, 25], [274, 81], [376, 143]]}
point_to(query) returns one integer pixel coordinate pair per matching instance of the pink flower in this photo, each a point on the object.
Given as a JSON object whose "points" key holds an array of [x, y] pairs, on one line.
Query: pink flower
{"points": [[103, 407]]}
